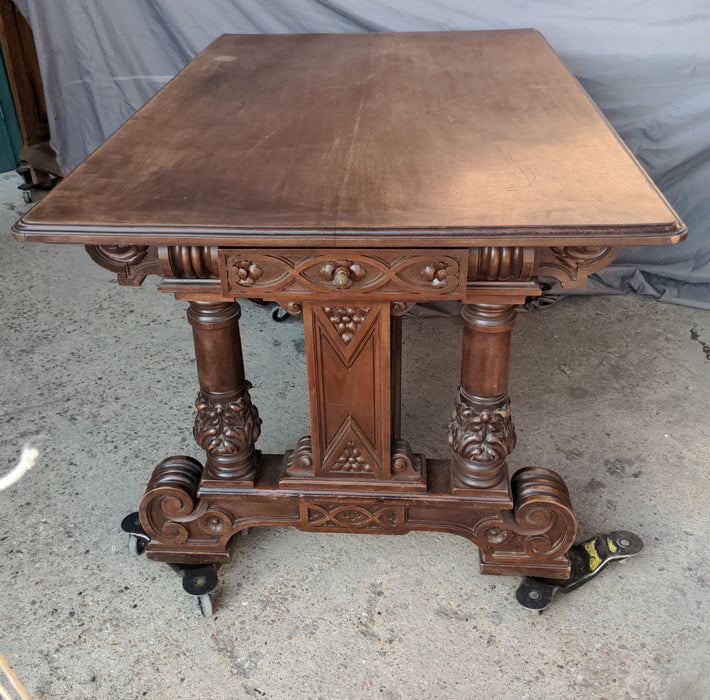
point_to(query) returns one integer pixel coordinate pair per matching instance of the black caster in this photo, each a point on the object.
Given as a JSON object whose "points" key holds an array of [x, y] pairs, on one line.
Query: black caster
{"points": [[137, 538], [587, 559], [199, 580], [279, 315]]}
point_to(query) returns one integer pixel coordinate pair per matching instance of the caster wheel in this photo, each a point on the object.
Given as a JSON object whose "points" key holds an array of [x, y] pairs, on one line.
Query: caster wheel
{"points": [[136, 545], [204, 602], [27, 196], [279, 315]]}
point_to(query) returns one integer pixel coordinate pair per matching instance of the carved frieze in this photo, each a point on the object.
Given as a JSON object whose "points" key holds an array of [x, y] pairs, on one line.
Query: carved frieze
{"points": [[329, 516], [304, 274]]}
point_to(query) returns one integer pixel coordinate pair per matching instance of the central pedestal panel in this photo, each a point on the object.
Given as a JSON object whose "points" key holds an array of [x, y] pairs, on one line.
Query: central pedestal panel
{"points": [[352, 361]]}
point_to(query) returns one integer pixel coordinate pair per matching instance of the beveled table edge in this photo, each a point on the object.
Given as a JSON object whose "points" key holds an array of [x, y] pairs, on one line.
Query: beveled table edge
{"points": [[446, 237]]}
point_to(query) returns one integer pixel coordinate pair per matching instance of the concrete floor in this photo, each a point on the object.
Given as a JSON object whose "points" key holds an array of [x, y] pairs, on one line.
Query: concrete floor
{"points": [[612, 392]]}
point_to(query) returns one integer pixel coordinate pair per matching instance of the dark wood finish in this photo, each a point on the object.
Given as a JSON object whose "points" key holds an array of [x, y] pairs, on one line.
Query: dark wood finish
{"points": [[307, 274], [429, 139], [481, 433], [227, 424], [527, 533], [357, 175]]}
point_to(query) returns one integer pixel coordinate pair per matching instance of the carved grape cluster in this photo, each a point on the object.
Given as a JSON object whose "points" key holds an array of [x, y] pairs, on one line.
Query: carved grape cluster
{"points": [[346, 320], [351, 461]]}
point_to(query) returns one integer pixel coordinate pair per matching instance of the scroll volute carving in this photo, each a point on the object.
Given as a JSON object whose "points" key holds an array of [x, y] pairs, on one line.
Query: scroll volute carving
{"points": [[571, 265], [131, 263]]}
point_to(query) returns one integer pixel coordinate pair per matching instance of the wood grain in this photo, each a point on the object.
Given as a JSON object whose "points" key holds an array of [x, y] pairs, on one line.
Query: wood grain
{"points": [[414, 139]]}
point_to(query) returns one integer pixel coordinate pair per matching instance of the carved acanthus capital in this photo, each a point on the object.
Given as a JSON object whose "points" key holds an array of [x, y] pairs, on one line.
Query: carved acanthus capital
{"points": [[481, 435], [227, 428], [571, 265]]}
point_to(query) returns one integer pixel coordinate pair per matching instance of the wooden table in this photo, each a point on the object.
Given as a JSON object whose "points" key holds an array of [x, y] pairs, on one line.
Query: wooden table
{"points": [[347, 177]]}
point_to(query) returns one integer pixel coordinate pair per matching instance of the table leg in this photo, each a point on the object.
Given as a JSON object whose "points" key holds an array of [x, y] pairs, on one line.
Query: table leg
{"points": [[227, 424], [481, 432]]}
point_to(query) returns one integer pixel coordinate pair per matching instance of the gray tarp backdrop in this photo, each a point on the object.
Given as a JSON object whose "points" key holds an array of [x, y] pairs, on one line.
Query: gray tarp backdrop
{"points": [[645, 63]]}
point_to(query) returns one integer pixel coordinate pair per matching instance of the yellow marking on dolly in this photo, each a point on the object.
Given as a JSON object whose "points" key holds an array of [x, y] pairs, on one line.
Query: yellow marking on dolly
{"points": [[612, 547], [594, 559]]}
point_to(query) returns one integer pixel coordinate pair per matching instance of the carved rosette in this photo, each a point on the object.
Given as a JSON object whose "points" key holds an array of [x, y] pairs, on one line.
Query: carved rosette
{"points": [[482, 435], [244, 272], [227, 428], [539, 530], [342, 273], [436, 273]]}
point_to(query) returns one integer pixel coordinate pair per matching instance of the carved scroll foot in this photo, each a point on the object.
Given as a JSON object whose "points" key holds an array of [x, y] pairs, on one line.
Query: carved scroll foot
{"points": [[536, 534], [181, 527]]}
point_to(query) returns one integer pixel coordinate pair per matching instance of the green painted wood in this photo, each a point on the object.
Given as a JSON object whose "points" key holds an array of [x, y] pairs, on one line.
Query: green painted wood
{"points": [[10, 135]]}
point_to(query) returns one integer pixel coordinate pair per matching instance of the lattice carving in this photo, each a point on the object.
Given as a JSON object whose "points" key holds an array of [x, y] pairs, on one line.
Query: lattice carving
{"points": [[351, 517], [302, 275]]}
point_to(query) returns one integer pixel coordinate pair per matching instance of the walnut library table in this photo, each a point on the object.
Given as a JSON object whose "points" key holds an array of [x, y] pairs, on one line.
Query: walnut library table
{"points": [[347, 177]]}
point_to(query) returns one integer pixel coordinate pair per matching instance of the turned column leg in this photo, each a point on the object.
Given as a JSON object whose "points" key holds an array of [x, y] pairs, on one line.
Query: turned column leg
{"points": [[227, 424], [481, 432]]}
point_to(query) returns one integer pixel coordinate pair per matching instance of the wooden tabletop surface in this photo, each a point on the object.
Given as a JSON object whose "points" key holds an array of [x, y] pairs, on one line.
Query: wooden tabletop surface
{"points": [[390, 139]]}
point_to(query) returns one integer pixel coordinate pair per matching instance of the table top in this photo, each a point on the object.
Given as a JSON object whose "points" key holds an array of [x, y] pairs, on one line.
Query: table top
{"points": [[385, 139]]}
